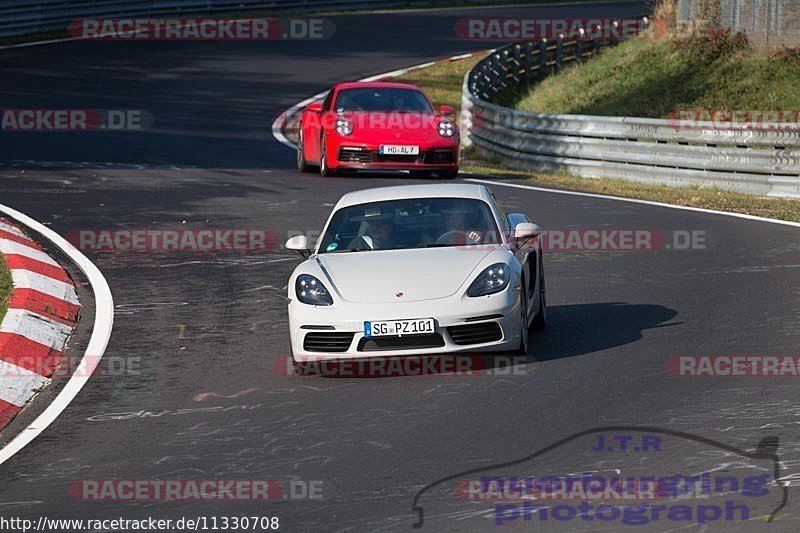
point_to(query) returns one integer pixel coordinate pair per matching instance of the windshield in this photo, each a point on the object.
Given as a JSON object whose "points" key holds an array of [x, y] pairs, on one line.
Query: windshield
{"points": [[411, 223], [382, 99]]}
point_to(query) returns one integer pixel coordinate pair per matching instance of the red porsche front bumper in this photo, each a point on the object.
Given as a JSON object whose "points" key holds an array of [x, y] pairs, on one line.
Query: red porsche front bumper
{"points": [[344, 154]]}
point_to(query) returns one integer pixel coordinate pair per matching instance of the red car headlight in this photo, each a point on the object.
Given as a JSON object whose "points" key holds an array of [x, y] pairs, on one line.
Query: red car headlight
{"points": [[343, 126], [446, 128]]}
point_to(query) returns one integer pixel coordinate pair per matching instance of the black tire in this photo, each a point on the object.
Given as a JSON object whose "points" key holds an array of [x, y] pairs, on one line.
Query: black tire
{"points": [[540, 320], [302, 165], [323, 163], [524, 334]]}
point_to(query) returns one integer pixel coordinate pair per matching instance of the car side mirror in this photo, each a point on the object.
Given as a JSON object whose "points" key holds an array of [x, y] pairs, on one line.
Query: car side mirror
{"points": [[527, 230], [299, 243], [447, 110], [316, 107]]}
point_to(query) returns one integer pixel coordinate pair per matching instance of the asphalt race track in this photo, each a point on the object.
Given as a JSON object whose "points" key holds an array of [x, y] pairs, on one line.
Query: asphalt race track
{"points": [[216, 323]]}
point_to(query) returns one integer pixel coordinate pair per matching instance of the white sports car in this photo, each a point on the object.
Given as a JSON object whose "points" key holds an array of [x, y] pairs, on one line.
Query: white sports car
{"points": [[419, 269]]}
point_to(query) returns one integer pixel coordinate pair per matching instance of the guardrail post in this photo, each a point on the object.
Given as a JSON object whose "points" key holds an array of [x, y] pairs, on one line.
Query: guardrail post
{"points": [[559, 53], [517, 63], [529, 60], [505, 58], [494, 75], [542, 58]]}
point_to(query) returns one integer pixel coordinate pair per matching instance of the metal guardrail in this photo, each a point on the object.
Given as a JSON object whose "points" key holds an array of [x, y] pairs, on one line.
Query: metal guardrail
{"points": [[764, 161], [24, 17]]}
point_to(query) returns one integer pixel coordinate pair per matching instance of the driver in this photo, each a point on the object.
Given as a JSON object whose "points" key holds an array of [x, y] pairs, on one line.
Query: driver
{"points": [[456, 228], [400, 102], [378, 236]]}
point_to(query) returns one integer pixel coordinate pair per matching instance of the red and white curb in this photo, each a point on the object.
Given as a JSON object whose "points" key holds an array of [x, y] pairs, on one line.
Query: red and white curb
{"points": [[279, 124], [42, 313]]}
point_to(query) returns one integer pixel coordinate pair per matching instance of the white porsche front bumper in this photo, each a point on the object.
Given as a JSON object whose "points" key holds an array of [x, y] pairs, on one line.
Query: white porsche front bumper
{"points": [[462, 324]]}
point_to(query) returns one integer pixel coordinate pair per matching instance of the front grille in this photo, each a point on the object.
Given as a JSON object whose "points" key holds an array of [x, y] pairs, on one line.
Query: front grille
{"points": [[327, 342], [475, 333], [348, 155], [406, 342], [436, 157], [386, 158], [439, 157]]}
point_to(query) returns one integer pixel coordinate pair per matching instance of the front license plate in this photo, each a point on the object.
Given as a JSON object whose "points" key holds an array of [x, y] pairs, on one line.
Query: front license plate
{"points": [[398, 327], [395, 149]]}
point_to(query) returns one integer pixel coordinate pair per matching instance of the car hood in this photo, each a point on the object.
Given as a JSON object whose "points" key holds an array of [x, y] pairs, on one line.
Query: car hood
{"points": [[419, 274]]}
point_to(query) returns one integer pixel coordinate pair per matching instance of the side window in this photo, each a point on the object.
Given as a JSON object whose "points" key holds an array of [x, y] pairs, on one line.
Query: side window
{"points": [[326, 104]]}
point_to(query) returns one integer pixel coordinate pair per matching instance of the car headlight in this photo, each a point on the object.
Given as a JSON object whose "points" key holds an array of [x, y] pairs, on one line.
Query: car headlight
{"points": [[446, 128], [343, 126], [311, 291], [493, 279]]}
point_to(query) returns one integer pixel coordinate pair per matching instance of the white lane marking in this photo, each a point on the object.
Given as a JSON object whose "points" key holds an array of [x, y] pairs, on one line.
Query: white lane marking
{"points": [[398, 72], [36, 327], [13, 229], [278, 123], [636, 201], [17, 384], [26, 279], [8, 247], [101, 333], [37, 43]]}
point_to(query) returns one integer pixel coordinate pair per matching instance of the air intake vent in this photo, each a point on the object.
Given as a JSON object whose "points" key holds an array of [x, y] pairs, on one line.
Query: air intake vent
{"points": [[475, 333], [327, 342]]}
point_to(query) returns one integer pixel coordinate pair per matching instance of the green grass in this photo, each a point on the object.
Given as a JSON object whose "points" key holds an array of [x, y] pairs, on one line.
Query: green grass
{"points": [[5, 286], [656, 77]]}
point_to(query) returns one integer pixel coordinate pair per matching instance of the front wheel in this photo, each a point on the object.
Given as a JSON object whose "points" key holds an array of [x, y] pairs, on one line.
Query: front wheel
{"points": [[324, 170], [302, 165], [540, 320]]}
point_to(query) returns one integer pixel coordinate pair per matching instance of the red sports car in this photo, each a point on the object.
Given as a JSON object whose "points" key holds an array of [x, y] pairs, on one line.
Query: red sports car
{"points": [[378, 126]]}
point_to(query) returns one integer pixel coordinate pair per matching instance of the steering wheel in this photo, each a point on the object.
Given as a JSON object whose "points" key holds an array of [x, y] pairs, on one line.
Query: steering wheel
{"points": [[447, 237]]}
